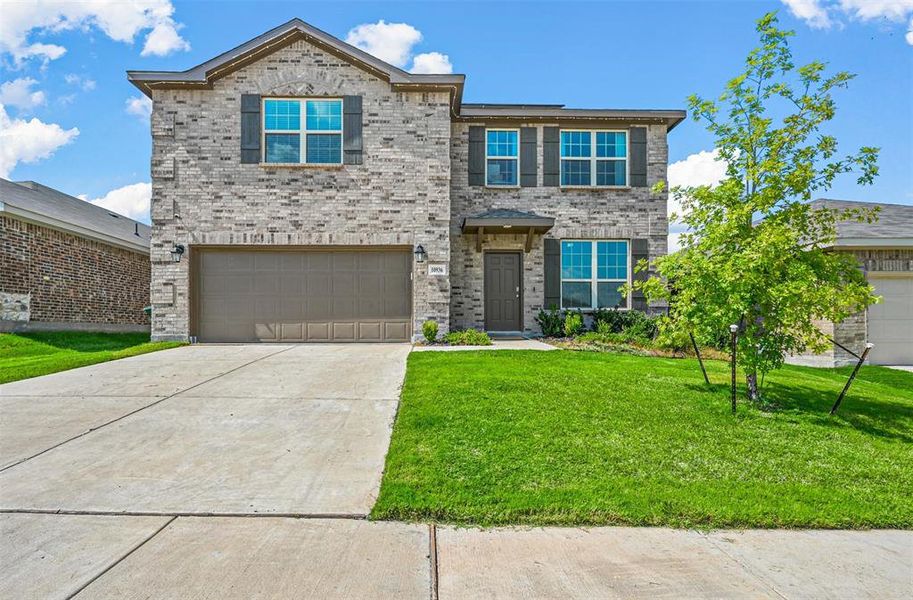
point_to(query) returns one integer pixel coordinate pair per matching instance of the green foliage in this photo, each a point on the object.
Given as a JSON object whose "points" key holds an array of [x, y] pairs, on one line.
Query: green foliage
{"points": [[468, 337], [576, 438], [756, 251], [551, 322], [429, 330], [634, 322], [573, 324]]}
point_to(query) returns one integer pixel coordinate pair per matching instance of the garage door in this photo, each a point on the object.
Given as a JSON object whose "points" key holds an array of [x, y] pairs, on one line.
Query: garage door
{"points": [[249, 295], [890, 323]]}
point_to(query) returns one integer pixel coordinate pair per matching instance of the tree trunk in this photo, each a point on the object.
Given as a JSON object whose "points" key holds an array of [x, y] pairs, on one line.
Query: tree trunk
{"points": [[751, 379]]}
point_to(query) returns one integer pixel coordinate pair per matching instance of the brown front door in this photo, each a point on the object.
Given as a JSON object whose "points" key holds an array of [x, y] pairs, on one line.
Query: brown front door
{"points": [[502, 291]]}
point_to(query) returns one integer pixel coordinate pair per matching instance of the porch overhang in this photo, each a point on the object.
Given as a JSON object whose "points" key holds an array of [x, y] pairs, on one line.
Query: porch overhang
{"points": [[507, 222]]}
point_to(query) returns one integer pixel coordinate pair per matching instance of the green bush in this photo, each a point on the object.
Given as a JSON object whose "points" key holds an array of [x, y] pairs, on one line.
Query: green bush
{"points": [[633, 322], [468, 337], [429, 330], [573, 324], [551, 322]]}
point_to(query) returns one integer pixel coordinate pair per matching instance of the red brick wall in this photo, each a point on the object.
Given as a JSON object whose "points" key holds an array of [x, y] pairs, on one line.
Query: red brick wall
{"points": [[72, 279]]}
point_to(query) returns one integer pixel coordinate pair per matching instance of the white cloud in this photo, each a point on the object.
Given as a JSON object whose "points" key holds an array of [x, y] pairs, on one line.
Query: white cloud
{"points": [[431, 62], [29, 141], [131, 201], [822, 14], [85, 83], [19, 93], [703, 168], [164, 40], [139, 106], [394, 43], [390, 42], [120, 21]]}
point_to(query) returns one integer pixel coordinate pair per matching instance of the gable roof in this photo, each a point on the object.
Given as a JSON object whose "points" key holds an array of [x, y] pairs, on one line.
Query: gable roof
{"points": [[31, 201], [894, 226], [203, 75]]}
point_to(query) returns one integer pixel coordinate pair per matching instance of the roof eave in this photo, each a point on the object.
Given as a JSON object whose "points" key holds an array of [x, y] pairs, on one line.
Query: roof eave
{"points": [[23, 214]]}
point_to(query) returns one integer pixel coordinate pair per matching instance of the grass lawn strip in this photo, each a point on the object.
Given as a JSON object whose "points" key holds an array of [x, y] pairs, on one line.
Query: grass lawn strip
{"points": [[39, 353], [575, 438]]}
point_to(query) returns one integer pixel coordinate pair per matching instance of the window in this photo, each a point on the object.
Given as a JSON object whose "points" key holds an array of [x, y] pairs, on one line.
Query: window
{"points": [[592, 272], [594, 158], [501, 157], [314, 139]]}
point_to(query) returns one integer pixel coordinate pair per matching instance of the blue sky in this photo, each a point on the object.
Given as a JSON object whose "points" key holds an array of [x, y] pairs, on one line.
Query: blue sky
{"points": [[594, 54]]}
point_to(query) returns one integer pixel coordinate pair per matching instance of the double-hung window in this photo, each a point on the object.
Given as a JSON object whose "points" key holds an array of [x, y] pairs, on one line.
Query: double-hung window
{"points": [[591, 273], [502, 157], [302, 131], [594, 158]]}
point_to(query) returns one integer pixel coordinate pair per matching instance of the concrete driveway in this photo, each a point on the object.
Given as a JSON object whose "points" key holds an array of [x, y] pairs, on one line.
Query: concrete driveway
{"points": [[246, 471]]}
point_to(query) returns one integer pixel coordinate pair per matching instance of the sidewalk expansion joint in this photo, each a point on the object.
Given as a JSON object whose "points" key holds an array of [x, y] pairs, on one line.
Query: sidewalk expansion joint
{"points": [[133, 412], [432, 553]]}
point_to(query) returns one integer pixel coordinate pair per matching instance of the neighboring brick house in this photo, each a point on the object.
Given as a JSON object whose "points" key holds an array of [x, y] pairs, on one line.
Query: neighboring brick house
{"points": [[885, 253], [320, 194], [68, 264]]}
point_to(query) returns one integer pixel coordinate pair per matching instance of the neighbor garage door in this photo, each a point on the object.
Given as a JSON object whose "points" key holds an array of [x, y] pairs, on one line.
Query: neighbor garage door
{"points": [[890, 322], [362, 295]]}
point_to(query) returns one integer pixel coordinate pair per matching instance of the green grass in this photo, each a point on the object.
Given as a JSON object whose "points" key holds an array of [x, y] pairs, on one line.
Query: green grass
{"points": [[32, 354], [592, 438]]}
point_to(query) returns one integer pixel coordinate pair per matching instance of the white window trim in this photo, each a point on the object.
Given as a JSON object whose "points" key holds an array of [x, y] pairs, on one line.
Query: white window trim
{"points": [[594, 278], [516, 158], [302, 131], [593, 159]]}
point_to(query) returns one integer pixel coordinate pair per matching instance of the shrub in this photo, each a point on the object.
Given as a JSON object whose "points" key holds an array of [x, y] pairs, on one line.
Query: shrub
{"points": [[602, 327], [573, 324], [551, 322], [468, 337], [429, 330]]}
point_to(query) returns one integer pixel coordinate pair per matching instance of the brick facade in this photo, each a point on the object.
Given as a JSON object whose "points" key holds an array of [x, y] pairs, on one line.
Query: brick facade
{"points": [[65, 278], [626, 213], [203, 195]]}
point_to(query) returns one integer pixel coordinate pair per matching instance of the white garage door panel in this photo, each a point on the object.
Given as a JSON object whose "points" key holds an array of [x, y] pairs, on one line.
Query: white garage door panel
{"points": [[890, 322]]}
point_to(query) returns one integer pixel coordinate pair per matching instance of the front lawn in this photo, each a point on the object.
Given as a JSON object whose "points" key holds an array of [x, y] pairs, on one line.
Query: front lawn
{"points": [[32, 354], [567, 438]]}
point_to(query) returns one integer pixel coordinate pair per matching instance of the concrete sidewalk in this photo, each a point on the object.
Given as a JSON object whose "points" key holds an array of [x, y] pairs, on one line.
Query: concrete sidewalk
{"points": [[56, 556]]}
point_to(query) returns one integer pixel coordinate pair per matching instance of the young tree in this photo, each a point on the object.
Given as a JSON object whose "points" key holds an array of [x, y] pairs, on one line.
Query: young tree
{"points": [[755, 253]]}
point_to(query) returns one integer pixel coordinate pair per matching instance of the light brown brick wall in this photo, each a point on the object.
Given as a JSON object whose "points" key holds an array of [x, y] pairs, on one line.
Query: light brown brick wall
{"points": [[71, 279]]}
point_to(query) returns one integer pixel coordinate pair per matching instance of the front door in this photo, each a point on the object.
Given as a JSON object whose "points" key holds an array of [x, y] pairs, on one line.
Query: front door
{"points": [[502, 291]]}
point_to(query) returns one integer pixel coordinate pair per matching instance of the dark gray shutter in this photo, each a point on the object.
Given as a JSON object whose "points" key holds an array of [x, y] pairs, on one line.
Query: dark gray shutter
{"points": [[552, 273], [528, 139], [476, 155], [250, 128], [551, 156], [352, 150], [638, 137], [640, 250]]}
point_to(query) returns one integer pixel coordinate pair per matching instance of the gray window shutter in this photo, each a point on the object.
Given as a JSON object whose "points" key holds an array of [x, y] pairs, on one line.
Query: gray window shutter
{"points": [[352, 150], [638, 137], [640, 250], [552, 273], [476, 155], [528, 139], [250, 128], [551, 156]]}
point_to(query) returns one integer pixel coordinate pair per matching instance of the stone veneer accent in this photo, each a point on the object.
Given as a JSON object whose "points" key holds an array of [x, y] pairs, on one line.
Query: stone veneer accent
{"points": [[627, 213], [56, 277], [203, 195]]}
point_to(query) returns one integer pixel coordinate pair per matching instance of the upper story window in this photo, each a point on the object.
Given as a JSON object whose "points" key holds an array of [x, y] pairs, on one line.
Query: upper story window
{"points": [[502, 157], [594, 158], [592, 272], [302, 131]]}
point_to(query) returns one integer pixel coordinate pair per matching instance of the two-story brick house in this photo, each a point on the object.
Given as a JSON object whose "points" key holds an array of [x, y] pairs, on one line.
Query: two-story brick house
{"points": [[304, 190]]}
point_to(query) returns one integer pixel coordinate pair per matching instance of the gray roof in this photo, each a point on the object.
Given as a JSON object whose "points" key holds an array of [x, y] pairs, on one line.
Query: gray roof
{"points": [[38, 203], [203, 75], [894, 226], [506, 218]]}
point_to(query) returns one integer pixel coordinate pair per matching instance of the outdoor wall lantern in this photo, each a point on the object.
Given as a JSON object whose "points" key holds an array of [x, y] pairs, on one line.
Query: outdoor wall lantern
{"points": [[420, 254], [177, 252]]}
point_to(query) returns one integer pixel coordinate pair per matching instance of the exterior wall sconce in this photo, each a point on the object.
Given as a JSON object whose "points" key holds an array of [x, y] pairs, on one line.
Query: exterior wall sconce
{"points": [[177, 252], [420, 254]]}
